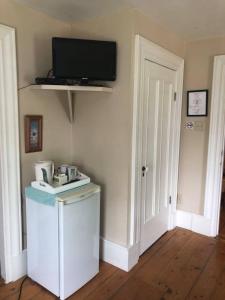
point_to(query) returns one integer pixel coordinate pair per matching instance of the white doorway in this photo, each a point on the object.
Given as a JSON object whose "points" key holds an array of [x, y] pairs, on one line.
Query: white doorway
{"points": [[12, 258], [156, 137], [215, 158]]}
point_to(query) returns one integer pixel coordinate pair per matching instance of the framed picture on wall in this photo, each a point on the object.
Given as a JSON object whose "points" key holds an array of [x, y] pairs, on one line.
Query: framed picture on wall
{"points": [[33, 133], [197, 103]]}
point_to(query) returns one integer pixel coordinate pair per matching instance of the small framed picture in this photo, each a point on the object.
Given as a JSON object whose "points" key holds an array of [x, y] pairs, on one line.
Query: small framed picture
{"points": [[197, 103], [33, 133]]}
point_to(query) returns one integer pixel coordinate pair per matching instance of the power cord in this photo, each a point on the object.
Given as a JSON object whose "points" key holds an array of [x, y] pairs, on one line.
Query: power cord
{"points": [[21, 287], [50, 73], [24, 87]]}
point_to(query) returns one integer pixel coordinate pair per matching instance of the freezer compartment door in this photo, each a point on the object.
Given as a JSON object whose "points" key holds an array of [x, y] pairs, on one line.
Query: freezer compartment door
{"points": [[42, 245], [79, 243]]}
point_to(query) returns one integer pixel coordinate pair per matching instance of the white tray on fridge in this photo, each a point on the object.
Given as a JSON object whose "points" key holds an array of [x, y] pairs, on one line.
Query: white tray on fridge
{"points": [[55, 189]]}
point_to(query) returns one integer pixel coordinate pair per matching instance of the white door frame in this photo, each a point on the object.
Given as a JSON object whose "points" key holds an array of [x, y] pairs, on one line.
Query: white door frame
{"points": [[145, 49], [215, 147], [11, 254]]}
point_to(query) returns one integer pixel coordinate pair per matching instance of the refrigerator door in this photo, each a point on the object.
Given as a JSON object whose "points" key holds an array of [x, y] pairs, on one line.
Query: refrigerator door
{"points": [[79, 241], [42, 244]]}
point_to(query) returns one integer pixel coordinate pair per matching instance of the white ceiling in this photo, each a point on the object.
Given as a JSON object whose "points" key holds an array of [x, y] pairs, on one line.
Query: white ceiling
{"points": [[191, 19], [74, 10]]}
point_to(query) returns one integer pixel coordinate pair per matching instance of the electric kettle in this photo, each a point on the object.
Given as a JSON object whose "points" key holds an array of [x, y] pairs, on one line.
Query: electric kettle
{"points": [[44, 171]]}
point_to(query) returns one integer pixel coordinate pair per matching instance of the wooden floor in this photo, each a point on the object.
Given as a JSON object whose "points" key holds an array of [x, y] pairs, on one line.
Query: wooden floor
{"points": [[181, 265]]}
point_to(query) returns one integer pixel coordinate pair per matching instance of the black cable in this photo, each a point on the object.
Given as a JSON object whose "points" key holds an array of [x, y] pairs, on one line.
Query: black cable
{"points": [[50, 73], [21, 287], [24, 87]]}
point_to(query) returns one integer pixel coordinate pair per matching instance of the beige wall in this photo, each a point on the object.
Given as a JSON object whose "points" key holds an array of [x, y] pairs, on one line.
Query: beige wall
{"points": [[34, 31], [194, 144], [33, 41], [100, 139], [157, 34], [102, 130]]}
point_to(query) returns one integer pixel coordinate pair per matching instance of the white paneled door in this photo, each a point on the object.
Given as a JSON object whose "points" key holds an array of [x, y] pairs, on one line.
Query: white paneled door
{"points": [[158, 94]]}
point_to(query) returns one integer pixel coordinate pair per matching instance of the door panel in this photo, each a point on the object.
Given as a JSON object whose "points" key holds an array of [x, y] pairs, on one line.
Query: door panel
{"points": [[158, 109], [151, 128], [165, 142]]}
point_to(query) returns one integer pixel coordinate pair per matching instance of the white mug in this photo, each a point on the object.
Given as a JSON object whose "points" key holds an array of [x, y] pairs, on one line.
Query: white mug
{"points": [[44, 171], [72, 173], [63, 168]]}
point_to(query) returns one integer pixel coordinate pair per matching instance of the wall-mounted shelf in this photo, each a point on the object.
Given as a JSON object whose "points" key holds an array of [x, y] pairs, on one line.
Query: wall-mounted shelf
{"points": [[71, 89]]}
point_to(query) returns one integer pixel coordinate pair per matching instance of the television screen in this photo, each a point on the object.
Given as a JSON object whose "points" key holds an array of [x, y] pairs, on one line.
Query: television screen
{"points": [[84, 59]]}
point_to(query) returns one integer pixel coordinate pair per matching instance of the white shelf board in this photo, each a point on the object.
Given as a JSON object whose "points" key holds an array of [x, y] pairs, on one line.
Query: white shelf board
{"points": [[72, 88]]}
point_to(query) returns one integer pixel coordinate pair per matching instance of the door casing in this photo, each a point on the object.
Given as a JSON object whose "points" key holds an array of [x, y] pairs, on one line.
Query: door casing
{"points": [[145, 49], [213, 184], [12, 256]]}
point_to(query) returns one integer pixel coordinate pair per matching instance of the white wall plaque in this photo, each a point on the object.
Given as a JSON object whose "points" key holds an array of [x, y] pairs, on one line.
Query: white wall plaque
{"points": [[197, 103]]}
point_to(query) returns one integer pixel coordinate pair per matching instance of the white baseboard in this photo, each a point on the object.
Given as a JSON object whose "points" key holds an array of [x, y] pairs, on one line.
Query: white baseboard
{"points": [[193, 222], [18, 267], [119, 256]]}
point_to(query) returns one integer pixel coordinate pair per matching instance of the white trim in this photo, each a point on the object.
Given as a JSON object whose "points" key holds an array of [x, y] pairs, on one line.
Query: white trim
{"points": [[19, 263], [193, 222], [119, 256], [145, 49], [215, 146], [12, 256]]}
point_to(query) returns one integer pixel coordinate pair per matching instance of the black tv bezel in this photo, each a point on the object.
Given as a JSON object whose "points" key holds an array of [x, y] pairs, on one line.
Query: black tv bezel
{"points": [[113, 78]]}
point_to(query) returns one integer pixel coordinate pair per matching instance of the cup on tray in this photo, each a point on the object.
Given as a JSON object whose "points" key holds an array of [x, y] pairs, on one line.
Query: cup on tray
{"points": [[70, 171]]}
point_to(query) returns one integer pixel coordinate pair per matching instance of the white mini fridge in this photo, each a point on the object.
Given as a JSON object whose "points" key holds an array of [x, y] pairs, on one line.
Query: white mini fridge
{"points": [[63, 238]]}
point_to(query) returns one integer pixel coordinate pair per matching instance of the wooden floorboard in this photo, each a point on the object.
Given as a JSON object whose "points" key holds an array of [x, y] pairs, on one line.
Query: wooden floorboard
{"points": [[184, 269], [207, 283], [180, 265]]}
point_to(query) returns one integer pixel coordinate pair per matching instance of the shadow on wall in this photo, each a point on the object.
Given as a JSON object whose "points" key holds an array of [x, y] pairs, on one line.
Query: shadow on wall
{"points": [[43, 56], [103, 187]]}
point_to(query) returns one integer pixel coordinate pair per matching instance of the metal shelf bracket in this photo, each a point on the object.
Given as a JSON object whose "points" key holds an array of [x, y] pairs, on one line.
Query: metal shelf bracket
{"points": [[71, 105]]}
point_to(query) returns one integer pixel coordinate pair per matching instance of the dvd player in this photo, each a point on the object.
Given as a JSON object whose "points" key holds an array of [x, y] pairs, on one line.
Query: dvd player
{"points": [[55, 81], [61, 81]]}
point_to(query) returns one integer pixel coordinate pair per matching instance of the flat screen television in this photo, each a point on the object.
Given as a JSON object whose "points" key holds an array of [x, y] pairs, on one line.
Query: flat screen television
{"points": [[84, 60]]}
